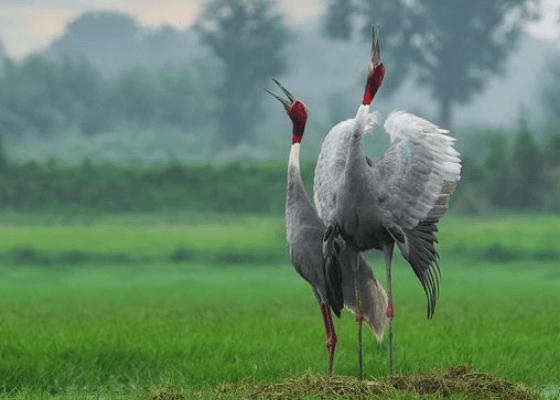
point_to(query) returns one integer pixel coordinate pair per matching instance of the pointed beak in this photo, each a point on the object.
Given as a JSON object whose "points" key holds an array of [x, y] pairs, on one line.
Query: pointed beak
{"points": [[287, 103], [375, 56]]}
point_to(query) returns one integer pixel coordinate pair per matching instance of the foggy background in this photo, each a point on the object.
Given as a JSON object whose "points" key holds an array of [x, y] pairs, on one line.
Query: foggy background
{"points": [[190, 91], [143, 188]]}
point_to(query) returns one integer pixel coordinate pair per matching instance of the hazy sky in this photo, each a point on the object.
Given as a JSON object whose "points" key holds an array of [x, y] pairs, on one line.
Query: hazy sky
{"points": [[30, 25]]}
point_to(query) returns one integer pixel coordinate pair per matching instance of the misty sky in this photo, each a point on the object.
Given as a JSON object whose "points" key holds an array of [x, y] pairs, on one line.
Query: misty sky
{"points": [[30, 25]]}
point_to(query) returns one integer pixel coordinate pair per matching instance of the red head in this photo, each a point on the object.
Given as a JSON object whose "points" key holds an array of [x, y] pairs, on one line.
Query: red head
{"points": [[296, 110], [376, 72]]}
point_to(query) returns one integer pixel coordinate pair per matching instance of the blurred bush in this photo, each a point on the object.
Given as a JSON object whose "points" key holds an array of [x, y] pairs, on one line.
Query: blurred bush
{"points": [[43, 98], [524, 177], [111, 188]]}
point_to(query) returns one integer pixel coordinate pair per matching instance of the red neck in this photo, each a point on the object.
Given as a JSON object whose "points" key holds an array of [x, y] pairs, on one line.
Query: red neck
{"points": [[298, 115], [297, 136], [375, 77]]}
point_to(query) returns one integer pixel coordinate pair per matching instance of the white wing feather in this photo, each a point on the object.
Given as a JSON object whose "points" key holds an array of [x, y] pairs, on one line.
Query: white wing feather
{"points": [[418, 172]]}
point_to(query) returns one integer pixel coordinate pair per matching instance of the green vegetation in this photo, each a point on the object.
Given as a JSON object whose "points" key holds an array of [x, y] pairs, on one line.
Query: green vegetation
{"points": [[249, 39], [550, 91], [112, 329], [45, 98], [111, 188], [247, 239], [48, 238], [523, 179], [118, 328]]}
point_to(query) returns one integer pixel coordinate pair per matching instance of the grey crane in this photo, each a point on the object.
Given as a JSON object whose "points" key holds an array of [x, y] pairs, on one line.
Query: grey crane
{"points": [[305, 231], [398, 199]]}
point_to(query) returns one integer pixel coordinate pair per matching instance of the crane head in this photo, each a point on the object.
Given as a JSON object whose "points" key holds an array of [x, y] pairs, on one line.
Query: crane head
{"points": [[295, 109], [376, 71]]}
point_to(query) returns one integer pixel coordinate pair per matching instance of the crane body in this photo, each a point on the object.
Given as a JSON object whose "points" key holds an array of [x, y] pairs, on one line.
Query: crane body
{"points": [[332, 279], [396, 200]]}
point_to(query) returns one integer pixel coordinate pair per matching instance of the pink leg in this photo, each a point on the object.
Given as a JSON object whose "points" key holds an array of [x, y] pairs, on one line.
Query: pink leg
{"points": [[331, 336], [359, 319], [390, 315], [359, 323], [390, 311], [388, 252]]}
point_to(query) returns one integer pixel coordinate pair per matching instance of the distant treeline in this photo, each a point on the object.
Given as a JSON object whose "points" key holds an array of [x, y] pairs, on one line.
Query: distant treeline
{"points": [[112, 188], [44, 98], [524, 177]]}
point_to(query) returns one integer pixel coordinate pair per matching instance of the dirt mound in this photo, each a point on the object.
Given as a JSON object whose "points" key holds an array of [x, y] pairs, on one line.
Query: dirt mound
{"points": [[461, 381]]}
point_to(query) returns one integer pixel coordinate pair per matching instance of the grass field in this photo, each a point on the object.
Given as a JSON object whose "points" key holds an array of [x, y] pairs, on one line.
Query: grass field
{"points": [[52, 238], [107, 329]]}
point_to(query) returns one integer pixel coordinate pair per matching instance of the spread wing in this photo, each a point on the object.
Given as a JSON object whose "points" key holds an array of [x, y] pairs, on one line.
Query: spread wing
{"points": [[415, 178], [418, 172]]}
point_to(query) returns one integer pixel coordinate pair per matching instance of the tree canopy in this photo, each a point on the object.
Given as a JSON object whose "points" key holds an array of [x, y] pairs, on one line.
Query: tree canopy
{"points": [[451, 46], [38, 96], [248, 37], [551, 91]]}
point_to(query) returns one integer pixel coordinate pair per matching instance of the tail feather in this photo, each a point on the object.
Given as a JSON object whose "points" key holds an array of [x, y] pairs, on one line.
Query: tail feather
{"points": [[332, 271], [374, 307], [419, 250], [371, 297], [333, 282]]}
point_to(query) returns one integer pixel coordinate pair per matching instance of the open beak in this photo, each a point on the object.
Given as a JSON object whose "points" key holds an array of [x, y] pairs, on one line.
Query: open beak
{"points": [[287, 103], [375, 56]]}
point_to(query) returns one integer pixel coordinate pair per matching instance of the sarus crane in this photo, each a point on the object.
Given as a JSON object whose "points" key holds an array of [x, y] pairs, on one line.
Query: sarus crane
{"points": [[304, 233], [398, 199]]}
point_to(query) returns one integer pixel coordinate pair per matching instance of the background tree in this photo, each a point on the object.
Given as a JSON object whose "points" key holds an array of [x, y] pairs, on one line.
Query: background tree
{"points": [[497, 171], [248, 37], [114, 42], [453, 45], [28, 97], [393, 20], [82, 94], [526, 163], [106, 39], [550, 92], [172, 96], [46, 98]]}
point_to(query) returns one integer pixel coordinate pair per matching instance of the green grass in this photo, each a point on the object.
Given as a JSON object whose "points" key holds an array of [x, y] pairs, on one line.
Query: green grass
{"points": [[133, 238], [110, 330], [120, 329], [531, 236], [53, 238]]}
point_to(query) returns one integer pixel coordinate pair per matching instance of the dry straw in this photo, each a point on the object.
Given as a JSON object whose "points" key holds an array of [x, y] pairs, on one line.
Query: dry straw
{"points": [[460, 381]]}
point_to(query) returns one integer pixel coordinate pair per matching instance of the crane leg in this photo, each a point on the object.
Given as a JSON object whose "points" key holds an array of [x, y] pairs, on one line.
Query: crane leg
{"points": [[358, 319], [359, 323], [390, 309], [330, 334]]}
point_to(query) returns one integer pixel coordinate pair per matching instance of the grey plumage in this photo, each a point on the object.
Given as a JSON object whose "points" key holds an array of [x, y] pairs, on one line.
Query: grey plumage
{"points": [[304, 233], [332, 278], [398, 199]]}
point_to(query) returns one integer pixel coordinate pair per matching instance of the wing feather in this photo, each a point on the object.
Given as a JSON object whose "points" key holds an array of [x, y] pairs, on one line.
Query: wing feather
{"points": [[417, 176], [418, 172]]}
